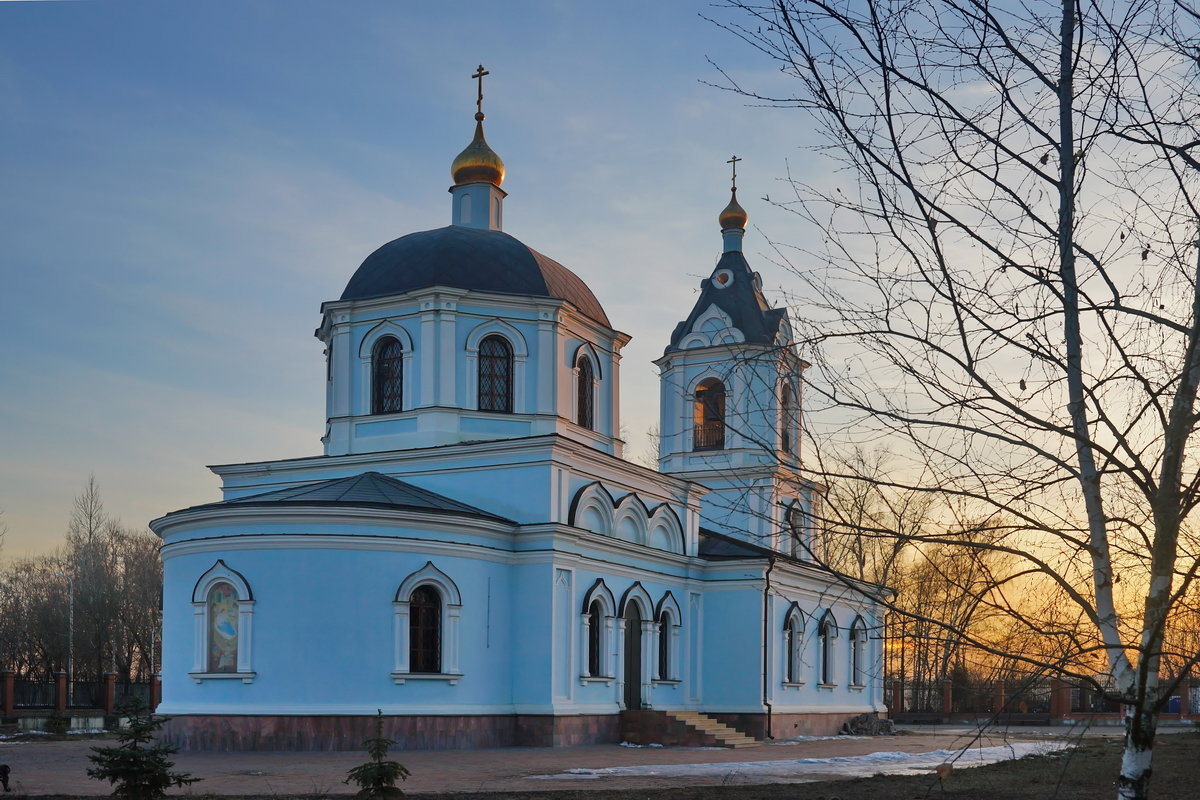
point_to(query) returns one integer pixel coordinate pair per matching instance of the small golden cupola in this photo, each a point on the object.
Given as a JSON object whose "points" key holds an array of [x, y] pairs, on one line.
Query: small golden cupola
{"points": [[733, 218], [478, 163], [478, 173]]}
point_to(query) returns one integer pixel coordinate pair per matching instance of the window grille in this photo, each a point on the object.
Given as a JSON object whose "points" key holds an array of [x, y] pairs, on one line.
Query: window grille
{"points": [[387, 376], [495, 375], [586, 392], [425, 629]]}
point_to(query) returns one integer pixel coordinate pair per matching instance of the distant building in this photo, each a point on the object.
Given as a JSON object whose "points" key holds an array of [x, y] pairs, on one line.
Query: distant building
{"points": [[472, 555]]}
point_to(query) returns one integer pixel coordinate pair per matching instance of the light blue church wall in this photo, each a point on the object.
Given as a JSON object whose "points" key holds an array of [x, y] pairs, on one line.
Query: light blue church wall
{"points": [[326, 615]]}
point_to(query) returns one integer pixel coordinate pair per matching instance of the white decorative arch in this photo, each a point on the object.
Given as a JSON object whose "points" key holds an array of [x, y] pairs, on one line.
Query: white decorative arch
{"points": [[637, 593], [592, 509], [520, 350], [451, 598], [631, 521], [600, 591], [386, 328], [587, 349], [220, 572], [712, 327], [496, 325], [666, 532]]}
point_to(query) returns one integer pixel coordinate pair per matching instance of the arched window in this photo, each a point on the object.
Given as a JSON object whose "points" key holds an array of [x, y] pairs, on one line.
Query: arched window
{"points": [[858, 653], [595, 638], [797, 532], [585, 413], [387, 376], [222, 612], [826, 633], [793, 639], [708, 415], [425, 630], [495, 375], [787, 417], [664, 645]]}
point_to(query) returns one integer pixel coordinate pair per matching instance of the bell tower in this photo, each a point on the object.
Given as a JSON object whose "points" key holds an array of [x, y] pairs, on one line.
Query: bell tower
{"points": [[730, 390]]}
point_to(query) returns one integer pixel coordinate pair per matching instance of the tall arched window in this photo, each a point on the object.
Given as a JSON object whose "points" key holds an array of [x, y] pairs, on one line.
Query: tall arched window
{"points": [[495, 375], [425, 630], [797, 532], [387, 376], [708, 415], [787, 417], [793, 638], [584, 388], [825, 636], [664, 645], [595, 638], [222, 628], [858, 653]]}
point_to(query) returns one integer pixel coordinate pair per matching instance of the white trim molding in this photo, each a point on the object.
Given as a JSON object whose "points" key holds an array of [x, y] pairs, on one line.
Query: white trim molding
{"points": [[451, 598], [220, 572]]}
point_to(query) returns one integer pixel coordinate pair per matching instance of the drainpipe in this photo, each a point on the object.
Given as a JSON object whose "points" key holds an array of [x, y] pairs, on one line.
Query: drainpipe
{"points": [[766, 666]]}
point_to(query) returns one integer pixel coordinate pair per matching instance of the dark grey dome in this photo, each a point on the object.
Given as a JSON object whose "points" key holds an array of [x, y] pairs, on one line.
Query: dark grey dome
{"points": [[468, 258]]}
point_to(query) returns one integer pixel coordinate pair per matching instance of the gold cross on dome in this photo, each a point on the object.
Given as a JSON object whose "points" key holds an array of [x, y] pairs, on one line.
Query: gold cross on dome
{"points": [[734, 161], [479, 73]]}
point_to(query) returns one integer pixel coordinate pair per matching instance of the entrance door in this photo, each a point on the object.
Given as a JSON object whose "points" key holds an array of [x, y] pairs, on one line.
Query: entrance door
{"points": [[633, 657]]}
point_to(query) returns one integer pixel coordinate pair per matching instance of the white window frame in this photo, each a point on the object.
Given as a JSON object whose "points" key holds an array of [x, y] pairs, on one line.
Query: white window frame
{"points": [[220, 572], [668, 605], [793, 649], [451, 598], [598, 592], [858, 653]]}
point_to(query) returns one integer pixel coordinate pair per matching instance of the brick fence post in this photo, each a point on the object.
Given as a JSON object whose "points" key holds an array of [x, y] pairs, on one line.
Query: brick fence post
{"points": [[60, 691], [8, 692], [1185, 697], [897, 696], [998, 697], [1060, 698], [155, 691], [947, 696], [110, 692]]}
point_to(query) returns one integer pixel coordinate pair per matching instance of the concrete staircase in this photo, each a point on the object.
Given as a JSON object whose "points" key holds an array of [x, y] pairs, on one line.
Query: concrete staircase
{"points": [[679, 729], [724, 735]]}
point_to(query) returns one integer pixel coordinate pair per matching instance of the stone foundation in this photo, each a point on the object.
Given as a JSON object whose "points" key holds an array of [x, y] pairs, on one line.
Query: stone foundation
{"points": [[231, 732], [785, 726]]}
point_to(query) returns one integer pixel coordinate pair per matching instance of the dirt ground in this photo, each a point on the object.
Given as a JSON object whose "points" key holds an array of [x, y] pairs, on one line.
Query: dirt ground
{"points": [[57, 769]]}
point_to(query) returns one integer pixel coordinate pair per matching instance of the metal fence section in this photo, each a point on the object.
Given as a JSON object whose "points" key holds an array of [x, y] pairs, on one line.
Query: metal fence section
{"points": [[33, 694]]}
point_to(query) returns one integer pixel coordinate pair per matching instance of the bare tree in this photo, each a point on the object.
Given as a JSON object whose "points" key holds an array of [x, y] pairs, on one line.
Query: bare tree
{"points": [[109, 577], [1009, 295]]}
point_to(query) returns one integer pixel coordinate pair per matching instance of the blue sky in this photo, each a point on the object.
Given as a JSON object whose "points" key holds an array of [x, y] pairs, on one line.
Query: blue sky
{"points": [[184, 183]]}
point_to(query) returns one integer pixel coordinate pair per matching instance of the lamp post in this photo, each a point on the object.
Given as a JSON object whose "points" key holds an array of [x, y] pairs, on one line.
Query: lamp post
{"points": [[70, 634]]}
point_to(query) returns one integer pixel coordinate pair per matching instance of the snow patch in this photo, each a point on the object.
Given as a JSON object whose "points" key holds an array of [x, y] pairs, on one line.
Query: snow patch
{"points": [[814, 769]]}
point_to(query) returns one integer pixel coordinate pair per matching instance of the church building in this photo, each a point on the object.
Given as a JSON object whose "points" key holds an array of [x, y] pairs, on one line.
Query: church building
{"points": [[471, 554]]}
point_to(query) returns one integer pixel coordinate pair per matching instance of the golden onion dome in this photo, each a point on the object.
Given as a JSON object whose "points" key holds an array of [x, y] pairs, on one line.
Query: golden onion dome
{"points": [[478, 163], [734, 216]]}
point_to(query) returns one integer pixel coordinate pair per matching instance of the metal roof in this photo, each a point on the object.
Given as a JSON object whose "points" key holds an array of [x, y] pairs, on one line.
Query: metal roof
{"points": [[370, 489], [469, 258]]}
